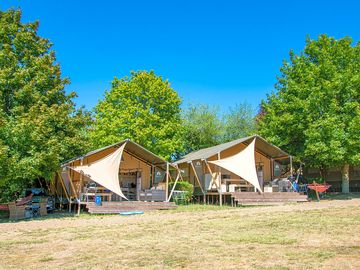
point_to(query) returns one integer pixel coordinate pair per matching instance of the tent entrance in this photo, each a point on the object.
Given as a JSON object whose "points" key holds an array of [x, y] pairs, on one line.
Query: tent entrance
{"points": [[130, 183]]}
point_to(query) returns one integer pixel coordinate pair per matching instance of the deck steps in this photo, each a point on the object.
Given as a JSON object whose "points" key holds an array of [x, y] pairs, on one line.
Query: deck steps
{"points": [[267, 198], [126, 206]]}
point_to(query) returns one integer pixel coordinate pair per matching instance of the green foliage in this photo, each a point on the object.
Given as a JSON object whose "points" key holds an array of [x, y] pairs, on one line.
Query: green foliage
{"points": [[39, 125], [318, 180], [238, 122], [143, 108], [315, 112], [184, 186], [203, 126]]}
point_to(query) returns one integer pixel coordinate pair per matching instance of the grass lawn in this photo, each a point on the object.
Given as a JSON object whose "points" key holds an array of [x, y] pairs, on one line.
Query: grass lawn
{"points": [[313, 235]]}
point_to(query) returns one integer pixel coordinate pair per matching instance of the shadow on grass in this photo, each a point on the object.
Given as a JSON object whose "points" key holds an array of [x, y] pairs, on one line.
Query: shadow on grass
{"points": [[4, 216]]}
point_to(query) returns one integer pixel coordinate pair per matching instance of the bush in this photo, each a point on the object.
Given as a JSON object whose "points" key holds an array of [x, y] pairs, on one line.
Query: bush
{"points": [[183, 186], [318, 180]]}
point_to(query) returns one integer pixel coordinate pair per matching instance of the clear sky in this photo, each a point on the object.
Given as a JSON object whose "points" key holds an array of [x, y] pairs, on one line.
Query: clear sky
{"points": [[215, 52]]}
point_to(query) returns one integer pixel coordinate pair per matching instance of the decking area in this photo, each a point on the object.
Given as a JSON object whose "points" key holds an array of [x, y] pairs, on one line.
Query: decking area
{"points": [[125, 206], [267, 198]]}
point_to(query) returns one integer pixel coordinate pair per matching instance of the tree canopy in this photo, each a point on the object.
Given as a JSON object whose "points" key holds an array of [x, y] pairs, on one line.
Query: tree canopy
{"points": [[39, 124], [315, 112], [238, 122], [203, 125], [142, 107]]}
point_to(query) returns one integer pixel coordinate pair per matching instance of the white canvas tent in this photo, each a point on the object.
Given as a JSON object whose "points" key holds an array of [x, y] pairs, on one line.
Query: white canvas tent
{"points": [[105, 171], [242, 164], [125, 168]]}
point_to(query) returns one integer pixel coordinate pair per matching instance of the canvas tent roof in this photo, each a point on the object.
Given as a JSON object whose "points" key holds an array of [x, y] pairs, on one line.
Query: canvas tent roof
{"points": [[132, 148], [104, 169], [261, 145]]}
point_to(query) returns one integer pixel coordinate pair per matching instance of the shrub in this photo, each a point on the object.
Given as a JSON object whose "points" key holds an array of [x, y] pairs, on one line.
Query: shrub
{"points": [[183, 186]]}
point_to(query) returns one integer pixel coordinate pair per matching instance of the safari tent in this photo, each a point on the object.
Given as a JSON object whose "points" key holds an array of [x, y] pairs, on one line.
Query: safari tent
{"points": [[241, 166], [117, 175]]}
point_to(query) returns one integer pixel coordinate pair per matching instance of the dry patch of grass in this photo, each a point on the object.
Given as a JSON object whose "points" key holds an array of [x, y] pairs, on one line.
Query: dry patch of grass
{"points": [[309, 236]]}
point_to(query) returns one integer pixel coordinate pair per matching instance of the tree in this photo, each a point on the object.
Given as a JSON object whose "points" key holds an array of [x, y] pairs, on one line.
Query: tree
{"points": [[238, 122], [39, 124], [143, 108], [201, 127], [315, 113]]}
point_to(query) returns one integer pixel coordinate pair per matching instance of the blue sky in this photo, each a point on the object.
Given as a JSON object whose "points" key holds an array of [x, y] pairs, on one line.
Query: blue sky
{"points": [[215, 52]]}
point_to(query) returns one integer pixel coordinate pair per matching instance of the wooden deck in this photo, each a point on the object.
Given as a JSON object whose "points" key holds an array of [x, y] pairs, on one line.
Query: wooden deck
{"points": [[117, 207], [266, 198]]}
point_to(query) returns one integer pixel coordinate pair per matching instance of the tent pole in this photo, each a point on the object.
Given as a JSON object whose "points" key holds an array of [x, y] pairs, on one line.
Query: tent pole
{"points": [[64, 188], [72, 185], [198, 180], [220, 191], [173, 188], [152, 175], [167, 182], [212, 178], [80, 187]]}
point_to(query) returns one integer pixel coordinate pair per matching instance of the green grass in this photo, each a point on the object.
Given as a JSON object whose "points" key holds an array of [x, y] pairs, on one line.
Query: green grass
{"points": [[341, 196]]}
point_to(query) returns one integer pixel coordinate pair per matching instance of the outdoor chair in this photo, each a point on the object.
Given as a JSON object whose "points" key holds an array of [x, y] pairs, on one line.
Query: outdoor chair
{"points": [[179, 197]]}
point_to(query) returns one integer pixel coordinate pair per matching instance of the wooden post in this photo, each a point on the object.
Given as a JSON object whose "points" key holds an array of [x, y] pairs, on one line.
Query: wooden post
{"points": [[80, 187], [72, 185], [65, 191], [220, 191], [167, 182], [152, 175]]}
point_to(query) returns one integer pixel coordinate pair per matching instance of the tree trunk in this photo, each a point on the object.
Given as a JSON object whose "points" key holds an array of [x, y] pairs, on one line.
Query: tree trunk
{"points": [[323, 173], [345, 179]]}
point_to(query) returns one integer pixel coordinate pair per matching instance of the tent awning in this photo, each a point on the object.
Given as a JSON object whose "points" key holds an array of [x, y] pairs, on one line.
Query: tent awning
{"points": [[242, 164], [104, 171]]}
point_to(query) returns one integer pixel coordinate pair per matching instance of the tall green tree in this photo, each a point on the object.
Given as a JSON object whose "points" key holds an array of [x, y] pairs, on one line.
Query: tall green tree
{"points": [[142, 107], [202, 127], [238, 122], [315, 112], [39, 124]]}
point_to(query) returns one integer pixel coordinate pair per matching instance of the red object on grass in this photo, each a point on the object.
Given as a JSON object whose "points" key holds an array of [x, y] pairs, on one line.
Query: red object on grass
{"points": [[4, 207], [319, 187]]}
